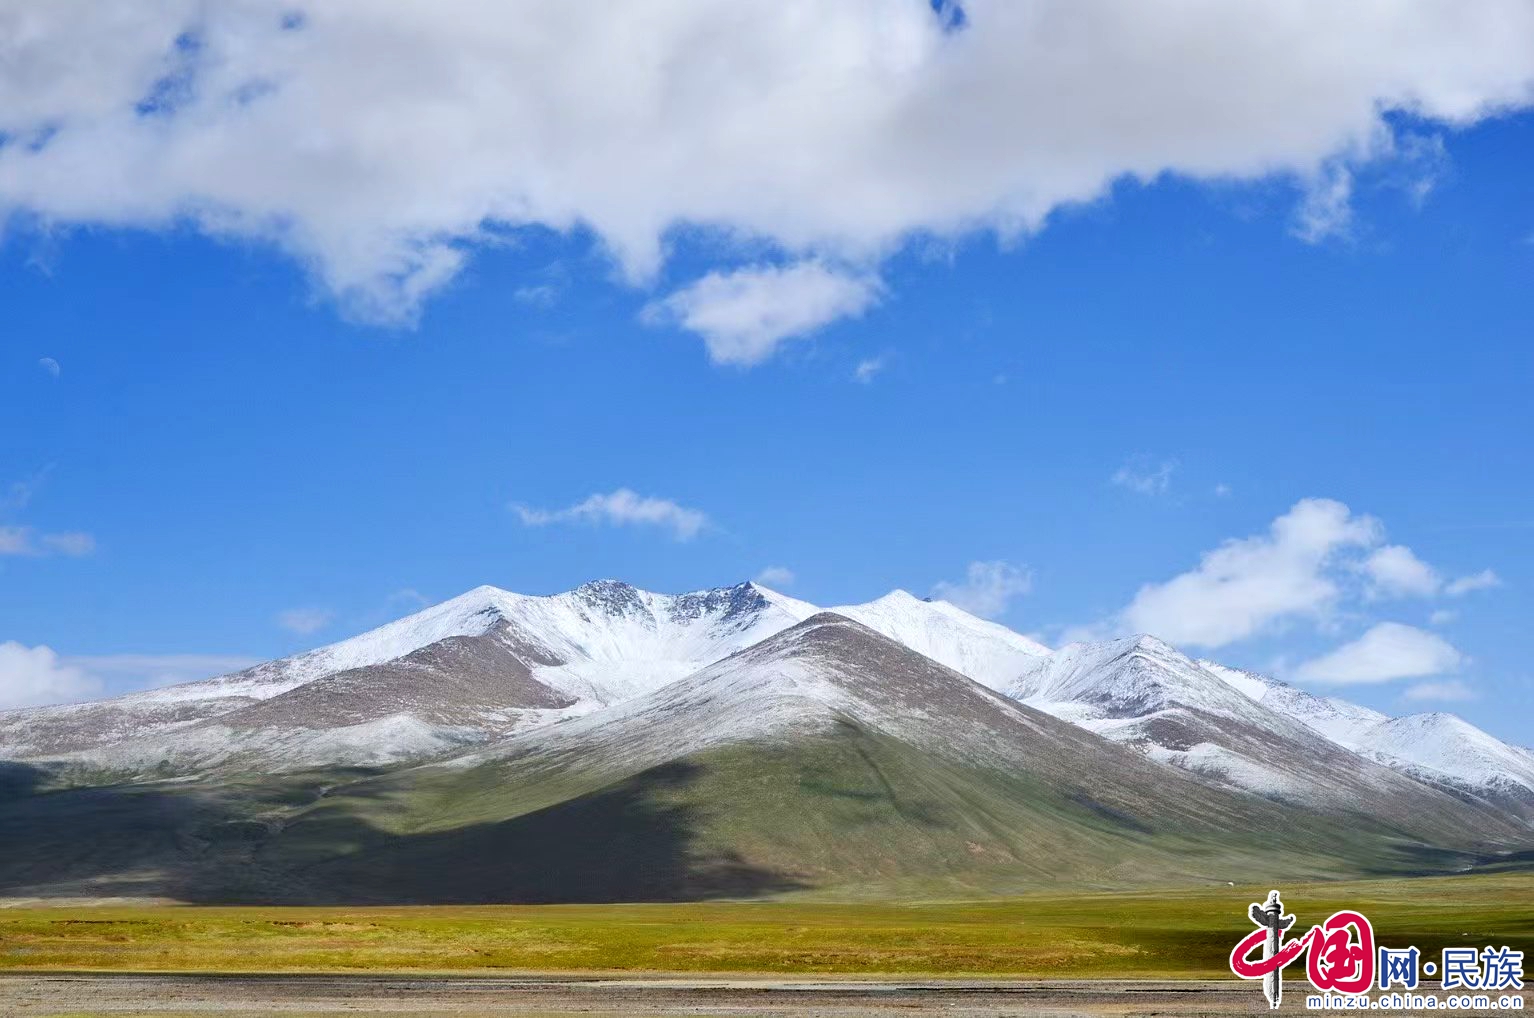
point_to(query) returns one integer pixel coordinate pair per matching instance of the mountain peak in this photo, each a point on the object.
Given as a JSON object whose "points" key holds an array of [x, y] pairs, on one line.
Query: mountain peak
{"points": [[614, 597], [1146, 643]]}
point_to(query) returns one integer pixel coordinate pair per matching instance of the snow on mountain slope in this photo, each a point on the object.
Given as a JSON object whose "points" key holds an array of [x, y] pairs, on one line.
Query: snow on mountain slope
{"points": [[816, 678], [471, 667], [832, 678], [991, 654], [1439, 748], [1335, 718], [607, 641], [1447, 749], [1122, 679], [1141, 692], [470, 614], [488, 661]]}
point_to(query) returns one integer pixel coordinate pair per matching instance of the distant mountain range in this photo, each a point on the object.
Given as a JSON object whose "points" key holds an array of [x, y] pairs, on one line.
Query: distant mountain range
{"points": [[613, 744]]}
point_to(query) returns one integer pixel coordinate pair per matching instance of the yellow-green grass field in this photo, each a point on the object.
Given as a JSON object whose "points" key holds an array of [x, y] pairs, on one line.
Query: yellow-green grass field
{"points": [[1175, 934]]}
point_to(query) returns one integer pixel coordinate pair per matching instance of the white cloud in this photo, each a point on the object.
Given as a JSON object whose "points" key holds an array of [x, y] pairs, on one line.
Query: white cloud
{"points": [[1395, 571], [1246, 586], [380, 142], [304, 621], [744, 315], [121, 672], [987, 588], [542, 295], [35, 675], [621, 508], [1483, 580], [1389, 650], [1449, 691], [72, 544], [1442, 617], [50, 365], [776, 576], [409, 596], [867, 369], [1144, 477], [1327, 209], [20, 493], [25, 541]]}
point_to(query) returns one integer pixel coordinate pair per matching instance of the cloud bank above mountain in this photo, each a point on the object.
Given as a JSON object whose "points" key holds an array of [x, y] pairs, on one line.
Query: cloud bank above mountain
{"points": [[381, 142]]}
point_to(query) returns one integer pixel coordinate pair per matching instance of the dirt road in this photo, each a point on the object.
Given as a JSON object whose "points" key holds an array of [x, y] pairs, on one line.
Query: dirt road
{"points": [[400, 996]]}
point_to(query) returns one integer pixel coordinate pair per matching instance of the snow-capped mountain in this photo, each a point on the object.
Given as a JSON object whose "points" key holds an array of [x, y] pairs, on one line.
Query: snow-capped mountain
{"points": [[1449, 751], [1145, 694], [825, 671], [730, 741], [491, 663], [1099, 684], [481, 664], [1442, 749], [829, 753], [1333, 717], [991, 654], [603, 641]]}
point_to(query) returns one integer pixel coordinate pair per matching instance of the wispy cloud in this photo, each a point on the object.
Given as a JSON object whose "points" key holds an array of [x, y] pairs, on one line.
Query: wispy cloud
{"points": [[409, 596], [988, 588], [745, 315], [776, 576], [20, 493], [622, 507], [34, 676], [867, 369], [74, 544], [121, 672], [28, 542], [1483, 580], [542, 295], [305, 621], [1326, 212], [1451, 691], [1145, 477]]}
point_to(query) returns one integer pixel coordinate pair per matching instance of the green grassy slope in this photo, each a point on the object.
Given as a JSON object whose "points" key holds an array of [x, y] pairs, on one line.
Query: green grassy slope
{"points": [[849, 815], [852, 815]]}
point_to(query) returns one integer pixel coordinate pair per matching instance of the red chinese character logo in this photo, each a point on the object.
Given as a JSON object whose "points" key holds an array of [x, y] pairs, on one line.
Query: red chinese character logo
{"points": [[1335, 961], [1340, 954]]}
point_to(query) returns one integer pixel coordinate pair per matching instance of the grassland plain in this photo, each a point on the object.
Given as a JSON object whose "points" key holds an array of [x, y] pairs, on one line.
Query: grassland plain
{"points": [[1145, 934]]}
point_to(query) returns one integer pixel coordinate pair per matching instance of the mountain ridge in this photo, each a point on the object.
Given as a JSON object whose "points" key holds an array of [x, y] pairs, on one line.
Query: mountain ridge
{"points": [[731, 741]]}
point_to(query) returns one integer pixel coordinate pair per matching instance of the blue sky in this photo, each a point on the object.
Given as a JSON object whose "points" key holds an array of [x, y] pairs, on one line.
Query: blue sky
{"points": [[216, 451]]}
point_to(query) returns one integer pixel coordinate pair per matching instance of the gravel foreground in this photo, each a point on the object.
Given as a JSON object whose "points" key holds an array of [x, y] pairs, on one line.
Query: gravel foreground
{"points": [[80, 995]]}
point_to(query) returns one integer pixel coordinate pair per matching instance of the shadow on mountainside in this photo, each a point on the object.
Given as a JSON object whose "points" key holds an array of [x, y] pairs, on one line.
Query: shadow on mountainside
{"points": [[227, 844], [627, 842], [118, 841]]}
